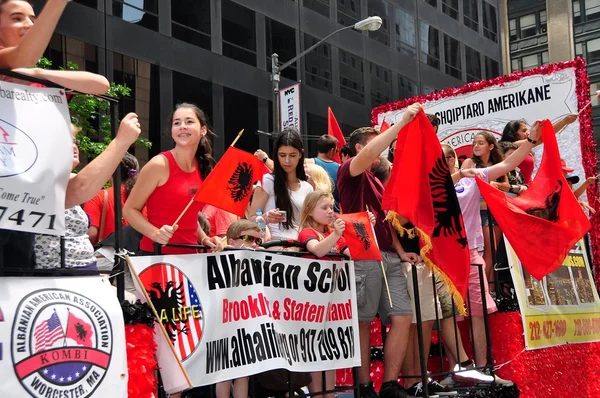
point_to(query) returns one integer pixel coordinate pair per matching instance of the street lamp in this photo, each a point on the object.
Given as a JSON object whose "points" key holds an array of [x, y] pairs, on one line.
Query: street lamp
{"points": [[370, 24]]}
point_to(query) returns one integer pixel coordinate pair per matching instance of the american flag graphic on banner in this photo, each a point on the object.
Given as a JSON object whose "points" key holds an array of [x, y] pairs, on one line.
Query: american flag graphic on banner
{"points": [[47, 333], [177, 305]]}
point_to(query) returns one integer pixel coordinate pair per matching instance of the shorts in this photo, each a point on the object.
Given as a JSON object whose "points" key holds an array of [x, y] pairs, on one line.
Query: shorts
{"points": [[16, 249], [430, 307], [446, 302], [474, 299], [371, 293], [485, 220]]}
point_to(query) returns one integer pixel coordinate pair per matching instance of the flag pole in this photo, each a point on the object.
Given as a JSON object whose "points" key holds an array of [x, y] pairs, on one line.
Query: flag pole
{"points": [[582, 109], [160, 325], [192, 200], [387, 285]]}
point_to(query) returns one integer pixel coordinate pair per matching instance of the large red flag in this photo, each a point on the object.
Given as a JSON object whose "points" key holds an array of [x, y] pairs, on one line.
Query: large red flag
{"points": [[229, 185], [546, 221], [384, 126], [430, 203], [360, 237], [79, 330], [333, 128]]}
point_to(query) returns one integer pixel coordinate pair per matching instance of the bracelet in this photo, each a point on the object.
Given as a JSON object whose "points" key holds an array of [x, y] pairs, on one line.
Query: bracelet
{"points": [[202, 241], [531, 141], [265, 159]]}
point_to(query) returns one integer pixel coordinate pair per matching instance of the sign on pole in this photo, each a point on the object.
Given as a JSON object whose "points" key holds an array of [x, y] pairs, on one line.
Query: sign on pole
{"points": [[289, 107]]}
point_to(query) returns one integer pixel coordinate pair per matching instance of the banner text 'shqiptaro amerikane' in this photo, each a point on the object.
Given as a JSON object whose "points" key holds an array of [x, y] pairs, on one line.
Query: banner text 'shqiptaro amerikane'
{"points": [[240, 313]]}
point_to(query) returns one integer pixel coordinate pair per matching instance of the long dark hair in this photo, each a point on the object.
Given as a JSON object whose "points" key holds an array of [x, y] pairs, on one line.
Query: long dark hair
{"points": [[204, 151], [496, 155], [129, 172], [511, 131], [283, 201]]}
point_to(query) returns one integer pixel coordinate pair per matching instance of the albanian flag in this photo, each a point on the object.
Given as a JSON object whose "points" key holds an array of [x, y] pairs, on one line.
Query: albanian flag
{"points": [[360, 237], [79, 330], [333, 128], [544, 222], [384, 126], [229, 185], [421, 190]]}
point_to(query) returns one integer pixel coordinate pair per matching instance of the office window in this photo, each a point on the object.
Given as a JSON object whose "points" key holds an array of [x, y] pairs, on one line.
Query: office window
{"points": [[528, 27], [512, 27], [450, 8], [530, 62], [406, 41], [139, 12], [281, 39], [470, 14], [381, 88], [380, 8], [317, 65], [514, 65], [432, 3], [543, 21], [190, 22], [545, 58], [348, 12], [592, 9], [492, 68], [452, 51], [238, 117], [239, 32], [579, 49], [351, 77], [406, 87], [593, 51], [490, 23], [320, 6], [473, 64], [430, 45], [576, 12]]}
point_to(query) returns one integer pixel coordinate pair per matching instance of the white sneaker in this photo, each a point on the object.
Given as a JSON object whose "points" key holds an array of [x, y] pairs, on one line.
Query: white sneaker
{"points": [[502, 382], [471, 375], [448, 382]]}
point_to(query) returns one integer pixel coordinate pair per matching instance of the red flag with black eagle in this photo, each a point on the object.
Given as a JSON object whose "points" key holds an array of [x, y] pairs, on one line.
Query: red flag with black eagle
{"points": [[360, 237], [544, 222], [79, 330], [333, 129], [229, 185], [421, 190]]}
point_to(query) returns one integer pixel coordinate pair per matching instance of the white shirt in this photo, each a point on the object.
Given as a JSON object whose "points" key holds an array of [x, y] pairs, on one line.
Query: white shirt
{"points": [[278, 231]]}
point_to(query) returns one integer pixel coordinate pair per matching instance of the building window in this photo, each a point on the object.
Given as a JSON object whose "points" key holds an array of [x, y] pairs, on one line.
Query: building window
{"points": [[512, 27], [351, 77], [543, 22], [528, 27], [238, 117], [452, 51], [430, 45], [139, 12], [545, 58], [239, 32], [593, 51], [381, 88], [320, 6], [406, 41], [471, 18], [576, 12], [348, 12], [315, 127], [432, 3], [191, 22], [317, 65], [281, 39], [514, 64], [450, 7], [579, 49], [592, 9], [406, 87], [473, 64], [530, 62], [490, 23], [380, 8], [89, 3], [492, 68]]}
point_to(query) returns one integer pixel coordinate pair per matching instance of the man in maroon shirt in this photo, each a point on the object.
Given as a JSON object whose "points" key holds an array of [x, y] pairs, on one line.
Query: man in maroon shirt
{"points": [[358, 188]]}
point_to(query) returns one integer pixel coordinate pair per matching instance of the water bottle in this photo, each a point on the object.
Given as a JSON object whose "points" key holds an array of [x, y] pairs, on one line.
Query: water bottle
{"points": [[260, 220]]}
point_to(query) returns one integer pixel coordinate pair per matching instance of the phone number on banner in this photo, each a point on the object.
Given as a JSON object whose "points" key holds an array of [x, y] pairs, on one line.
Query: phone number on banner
{"points": [[548, 330], [308, 345], [13, 216]]}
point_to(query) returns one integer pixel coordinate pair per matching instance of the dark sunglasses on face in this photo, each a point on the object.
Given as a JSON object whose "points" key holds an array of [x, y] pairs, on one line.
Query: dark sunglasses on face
{"points": [[251, 239], [450, 157]]}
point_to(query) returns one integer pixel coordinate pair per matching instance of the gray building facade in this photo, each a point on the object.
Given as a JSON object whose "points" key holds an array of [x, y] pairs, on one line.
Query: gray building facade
{"points": [[216, 53]]}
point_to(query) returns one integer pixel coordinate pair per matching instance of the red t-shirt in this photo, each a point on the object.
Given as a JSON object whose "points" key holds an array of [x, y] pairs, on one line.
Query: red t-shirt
{"points": [[166, 202], [308, 234], [219, 220], [526, 168], [356, 193]]}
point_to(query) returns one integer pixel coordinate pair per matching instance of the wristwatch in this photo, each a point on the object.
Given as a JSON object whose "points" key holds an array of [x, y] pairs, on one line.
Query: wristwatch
{"points": [[532, 141]]}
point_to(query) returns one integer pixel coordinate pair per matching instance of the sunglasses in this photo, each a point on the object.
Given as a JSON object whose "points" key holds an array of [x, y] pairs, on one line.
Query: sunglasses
{"points": [[251, 239], [450, 157]]}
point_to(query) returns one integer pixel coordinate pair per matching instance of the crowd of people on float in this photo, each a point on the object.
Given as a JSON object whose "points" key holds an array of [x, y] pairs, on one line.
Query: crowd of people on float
{"points": [[298, 201]]}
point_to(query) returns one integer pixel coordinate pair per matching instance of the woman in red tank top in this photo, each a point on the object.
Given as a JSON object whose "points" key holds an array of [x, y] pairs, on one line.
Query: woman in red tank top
{"points": [[169, 181]]}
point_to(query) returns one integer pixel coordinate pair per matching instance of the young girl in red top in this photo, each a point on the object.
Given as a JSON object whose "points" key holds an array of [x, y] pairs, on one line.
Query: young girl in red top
{"points": [[169, 181]]}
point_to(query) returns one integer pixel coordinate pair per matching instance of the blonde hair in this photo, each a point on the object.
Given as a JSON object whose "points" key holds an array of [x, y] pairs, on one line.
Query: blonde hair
{"points": [[320, 178], [310, 202], [239, 226]]}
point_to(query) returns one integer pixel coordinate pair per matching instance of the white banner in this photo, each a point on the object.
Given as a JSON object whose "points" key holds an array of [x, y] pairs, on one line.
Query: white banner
{"points": [[61, 337], [289, 107], [240, 313], [36, 155], [534, 97]]}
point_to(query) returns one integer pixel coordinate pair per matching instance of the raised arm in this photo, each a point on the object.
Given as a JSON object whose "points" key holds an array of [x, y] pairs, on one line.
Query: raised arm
{"points": [[581, 189], [85, 184], [35, 41], [365, 158], [84, 82]]}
